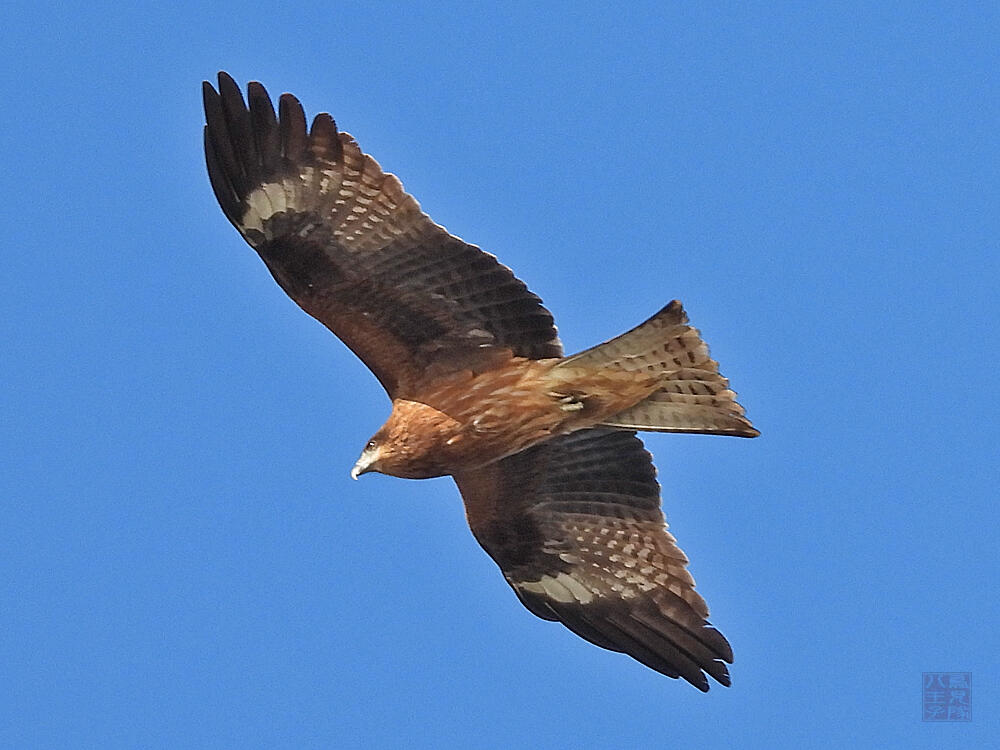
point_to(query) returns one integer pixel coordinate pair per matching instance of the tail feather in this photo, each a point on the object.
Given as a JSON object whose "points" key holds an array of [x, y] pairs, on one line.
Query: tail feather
{"points": [[663, 343], [692, 395]]}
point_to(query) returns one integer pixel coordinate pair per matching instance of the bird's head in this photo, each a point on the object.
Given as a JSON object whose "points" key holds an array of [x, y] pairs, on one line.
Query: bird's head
{"points": [[368, 461], [412, 444]]}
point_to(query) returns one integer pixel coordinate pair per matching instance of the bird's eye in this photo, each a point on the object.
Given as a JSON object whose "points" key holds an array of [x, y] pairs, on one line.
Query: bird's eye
{"points": [[370, 446]]}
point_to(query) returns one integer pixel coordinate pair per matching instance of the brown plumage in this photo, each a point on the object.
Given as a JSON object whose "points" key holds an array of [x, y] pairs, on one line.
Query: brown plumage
{"points": [[557, 487]]}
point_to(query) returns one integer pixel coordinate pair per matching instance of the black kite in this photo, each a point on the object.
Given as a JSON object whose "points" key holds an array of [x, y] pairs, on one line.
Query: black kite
{"points": [[557, 487]]}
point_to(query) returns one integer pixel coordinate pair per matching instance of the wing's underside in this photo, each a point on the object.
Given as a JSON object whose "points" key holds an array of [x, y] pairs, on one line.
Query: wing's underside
{"points": [[354, 250], [575, 525]]}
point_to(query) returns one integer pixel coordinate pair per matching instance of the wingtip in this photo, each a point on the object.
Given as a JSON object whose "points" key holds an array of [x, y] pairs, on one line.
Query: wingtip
{"points": [[291, 101], [255, 89], [323, 125], [230, 92], [226, 80], [209, 96], [724, 679]]}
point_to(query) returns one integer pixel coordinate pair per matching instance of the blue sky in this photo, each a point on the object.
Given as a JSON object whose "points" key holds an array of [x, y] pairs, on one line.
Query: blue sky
{"points": [[184, 561]]}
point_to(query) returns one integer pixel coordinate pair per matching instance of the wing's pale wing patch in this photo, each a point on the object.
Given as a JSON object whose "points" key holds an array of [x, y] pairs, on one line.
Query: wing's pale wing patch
{"points": [[575, 526], [562, 588]]}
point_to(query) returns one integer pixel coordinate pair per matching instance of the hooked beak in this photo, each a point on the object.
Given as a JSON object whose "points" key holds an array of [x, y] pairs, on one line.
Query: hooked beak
{"points": [[364, 464]]}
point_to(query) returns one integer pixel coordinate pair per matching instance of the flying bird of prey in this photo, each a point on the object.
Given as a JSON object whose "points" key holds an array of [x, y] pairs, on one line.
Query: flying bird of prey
{"points": [[558, 489]]}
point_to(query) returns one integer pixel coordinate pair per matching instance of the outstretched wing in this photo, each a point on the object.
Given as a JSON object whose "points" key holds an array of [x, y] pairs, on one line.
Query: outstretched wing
{"points": [[575, 525], [355, 251]]}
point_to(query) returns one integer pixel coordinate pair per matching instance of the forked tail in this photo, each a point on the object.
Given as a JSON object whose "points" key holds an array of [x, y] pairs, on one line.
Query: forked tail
{"points": [[692, 397]]}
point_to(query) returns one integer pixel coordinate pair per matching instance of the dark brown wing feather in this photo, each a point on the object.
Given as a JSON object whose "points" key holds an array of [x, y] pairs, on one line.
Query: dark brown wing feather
{"points": [[354, 250], [575, 525]]}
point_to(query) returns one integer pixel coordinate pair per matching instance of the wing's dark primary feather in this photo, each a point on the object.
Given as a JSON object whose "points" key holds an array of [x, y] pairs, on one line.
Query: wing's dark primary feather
{"points": [[354, 250], [575, 525]]}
